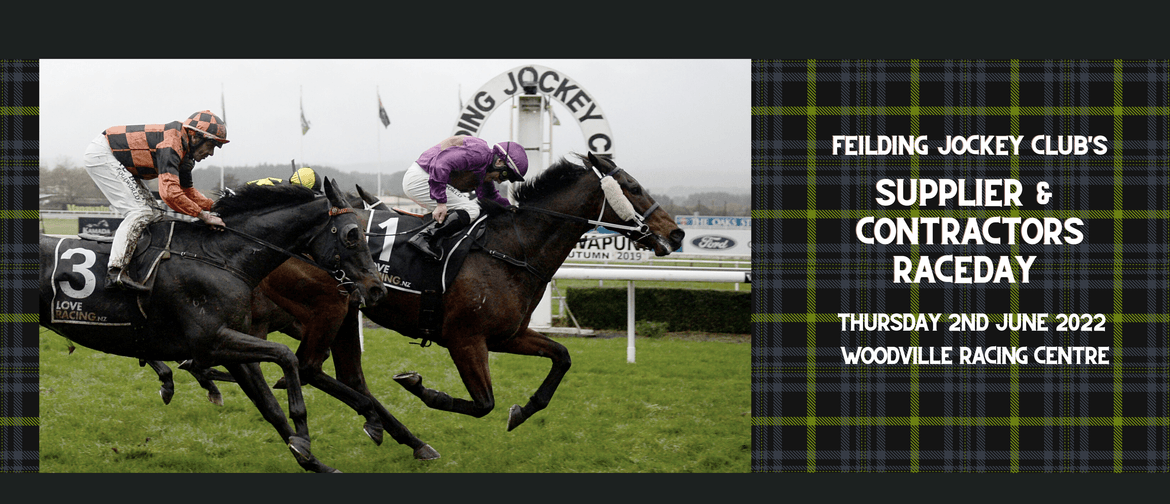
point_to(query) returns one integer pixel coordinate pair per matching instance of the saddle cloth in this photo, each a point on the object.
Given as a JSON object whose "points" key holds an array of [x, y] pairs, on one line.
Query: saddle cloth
{"points": [[403, 267], [79, 279]]}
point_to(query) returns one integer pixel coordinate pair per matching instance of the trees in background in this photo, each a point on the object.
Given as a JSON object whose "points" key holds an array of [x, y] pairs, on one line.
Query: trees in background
{"points": [[67, 184]]}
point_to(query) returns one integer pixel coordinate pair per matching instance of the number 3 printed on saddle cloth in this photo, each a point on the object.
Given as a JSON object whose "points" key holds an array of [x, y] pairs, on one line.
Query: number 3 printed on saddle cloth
{"points": [[79, 295]]}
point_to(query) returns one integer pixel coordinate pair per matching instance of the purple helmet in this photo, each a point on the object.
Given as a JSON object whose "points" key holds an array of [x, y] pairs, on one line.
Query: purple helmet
{"points": [[514, 158]]}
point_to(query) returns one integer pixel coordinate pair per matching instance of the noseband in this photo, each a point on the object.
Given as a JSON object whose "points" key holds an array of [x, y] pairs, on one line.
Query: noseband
{"points": [[622, 206]]}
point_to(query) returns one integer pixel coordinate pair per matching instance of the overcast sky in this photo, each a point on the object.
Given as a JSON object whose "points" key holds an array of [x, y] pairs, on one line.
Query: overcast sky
{"points": [[675, 123]]}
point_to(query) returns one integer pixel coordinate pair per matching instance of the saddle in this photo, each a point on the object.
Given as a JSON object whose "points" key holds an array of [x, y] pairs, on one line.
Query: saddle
{"points": [[79, 278], [403, 268]]}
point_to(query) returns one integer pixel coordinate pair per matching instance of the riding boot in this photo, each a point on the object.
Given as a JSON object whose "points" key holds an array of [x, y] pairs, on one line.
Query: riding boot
{"points": [[121, 252], [118, 279], [427, 240]]}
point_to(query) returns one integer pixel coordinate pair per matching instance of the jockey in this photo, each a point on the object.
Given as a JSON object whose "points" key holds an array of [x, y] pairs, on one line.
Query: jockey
{"points": [[442, 175], [121, 157]]}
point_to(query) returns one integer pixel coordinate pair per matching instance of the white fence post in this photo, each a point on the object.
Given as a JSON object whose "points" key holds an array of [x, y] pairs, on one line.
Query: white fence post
{"points": [[630, 321]]}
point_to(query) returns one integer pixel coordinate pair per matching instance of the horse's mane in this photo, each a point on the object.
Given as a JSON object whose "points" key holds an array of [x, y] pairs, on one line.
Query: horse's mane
{"points": [[562, 173], [252, 197]]}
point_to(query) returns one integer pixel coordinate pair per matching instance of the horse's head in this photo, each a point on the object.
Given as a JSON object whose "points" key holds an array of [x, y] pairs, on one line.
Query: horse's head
{"points": [[629, 205], [347, 254]]}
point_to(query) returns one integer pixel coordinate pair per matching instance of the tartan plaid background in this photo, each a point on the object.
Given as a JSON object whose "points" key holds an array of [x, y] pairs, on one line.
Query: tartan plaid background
{"points": [[19, 185], [813, 413]]}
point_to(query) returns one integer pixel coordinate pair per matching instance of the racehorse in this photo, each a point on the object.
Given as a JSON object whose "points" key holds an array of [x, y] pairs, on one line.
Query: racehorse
{"points": [[199, 308], [490, 303]]}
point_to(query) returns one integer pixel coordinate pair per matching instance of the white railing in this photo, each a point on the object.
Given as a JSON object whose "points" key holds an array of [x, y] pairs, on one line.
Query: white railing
{"points": [[542, 316], [73, 214]]}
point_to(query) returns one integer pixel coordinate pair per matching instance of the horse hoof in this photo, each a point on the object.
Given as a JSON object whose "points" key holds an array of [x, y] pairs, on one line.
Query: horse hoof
{"points": [[280, 384], [166, 395], [374, 431], [515, 417], [300, 449], [408, 379], [425, 452], [215, 399]]}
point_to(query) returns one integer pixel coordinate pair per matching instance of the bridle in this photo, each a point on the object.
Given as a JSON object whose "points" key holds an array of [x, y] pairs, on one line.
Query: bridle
{"points": [[620, 204], [616, 200]]}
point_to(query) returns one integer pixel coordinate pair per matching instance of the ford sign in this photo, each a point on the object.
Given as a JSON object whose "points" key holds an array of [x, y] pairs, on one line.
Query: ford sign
{"points": [[713, 242]]}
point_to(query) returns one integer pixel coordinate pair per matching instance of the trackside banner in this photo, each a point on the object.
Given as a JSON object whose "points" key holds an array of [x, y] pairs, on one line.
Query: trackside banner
{"points": [[960, 265]]}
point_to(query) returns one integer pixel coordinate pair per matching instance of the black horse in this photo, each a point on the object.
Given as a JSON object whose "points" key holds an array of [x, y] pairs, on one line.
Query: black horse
{"points": [[199, 311]]}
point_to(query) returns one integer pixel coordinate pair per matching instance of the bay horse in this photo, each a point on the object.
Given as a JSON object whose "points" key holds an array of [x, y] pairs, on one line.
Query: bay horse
{"points": [[199, 310], [524, 246], [490, 304]]}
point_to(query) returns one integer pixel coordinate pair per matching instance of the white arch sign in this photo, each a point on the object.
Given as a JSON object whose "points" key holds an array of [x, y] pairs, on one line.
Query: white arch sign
{"points": [[549, 82]]}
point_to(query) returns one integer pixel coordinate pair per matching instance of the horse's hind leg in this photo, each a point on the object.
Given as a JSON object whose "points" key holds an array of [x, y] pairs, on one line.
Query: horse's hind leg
{"points": [[206, 377], [167, 391], [534, 343], [472, 362]]}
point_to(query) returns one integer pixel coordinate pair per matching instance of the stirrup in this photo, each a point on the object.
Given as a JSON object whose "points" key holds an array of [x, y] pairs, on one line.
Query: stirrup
{"points": [[423, 245], [120, 280]]}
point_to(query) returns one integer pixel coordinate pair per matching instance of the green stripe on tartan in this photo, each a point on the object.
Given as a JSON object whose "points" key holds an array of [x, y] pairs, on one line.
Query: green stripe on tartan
{"points": [[810, 328], [1118, 291], [9, 318], [20, 111], [976, 213], [1137, 318], [862, 110], [20, 214], [20, 421], [829, 421]]}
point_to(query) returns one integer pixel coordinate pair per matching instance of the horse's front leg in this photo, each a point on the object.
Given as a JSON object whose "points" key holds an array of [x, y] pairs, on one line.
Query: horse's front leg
{"points": [[241, 353], [533, 343], [471, 359]]}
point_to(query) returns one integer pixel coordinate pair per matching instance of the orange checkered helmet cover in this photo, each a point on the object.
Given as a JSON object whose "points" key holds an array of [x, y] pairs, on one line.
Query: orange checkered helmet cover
{"points": [[209, 124]]}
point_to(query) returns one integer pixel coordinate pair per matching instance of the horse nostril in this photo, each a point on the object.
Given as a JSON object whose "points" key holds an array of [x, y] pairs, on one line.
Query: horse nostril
{"points": [[677, 236]]}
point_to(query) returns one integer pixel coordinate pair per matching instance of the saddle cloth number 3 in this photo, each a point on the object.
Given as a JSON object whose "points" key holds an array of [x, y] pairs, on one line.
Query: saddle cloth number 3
{"points": [[82, 269]]}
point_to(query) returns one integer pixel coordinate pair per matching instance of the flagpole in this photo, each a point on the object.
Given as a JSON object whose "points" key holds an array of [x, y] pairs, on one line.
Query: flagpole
{"points": [[302, 127], [378, 167], [222, 110]]}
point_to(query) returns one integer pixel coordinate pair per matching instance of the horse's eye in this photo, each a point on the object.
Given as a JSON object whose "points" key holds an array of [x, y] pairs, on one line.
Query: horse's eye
{"points": [[635, 189], [350, 236]]}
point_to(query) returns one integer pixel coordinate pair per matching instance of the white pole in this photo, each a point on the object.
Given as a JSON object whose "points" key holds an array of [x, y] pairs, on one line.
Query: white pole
{"points": [[630, 321], [224, 112], [302, 131], [378, 167]]}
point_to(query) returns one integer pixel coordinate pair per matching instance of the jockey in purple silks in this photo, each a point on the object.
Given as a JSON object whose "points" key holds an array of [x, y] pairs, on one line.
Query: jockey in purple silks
{"points": [[441, 177]]}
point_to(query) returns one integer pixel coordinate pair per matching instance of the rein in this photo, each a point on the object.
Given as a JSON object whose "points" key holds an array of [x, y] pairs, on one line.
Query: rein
{"points": [[642, 228], [337, 273]]}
